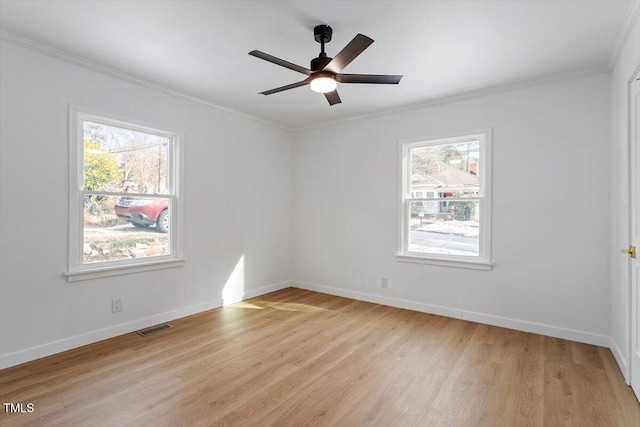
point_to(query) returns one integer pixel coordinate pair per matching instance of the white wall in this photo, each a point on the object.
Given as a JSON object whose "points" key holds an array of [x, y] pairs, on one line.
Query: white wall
{"points": [[237, 206], [627, 64], [550, 211]]}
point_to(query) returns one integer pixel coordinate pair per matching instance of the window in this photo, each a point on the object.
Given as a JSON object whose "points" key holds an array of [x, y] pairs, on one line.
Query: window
{"points": [[445, 205], [125, 207]]}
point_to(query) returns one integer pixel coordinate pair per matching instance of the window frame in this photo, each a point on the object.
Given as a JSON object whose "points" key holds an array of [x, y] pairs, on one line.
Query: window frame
{"points": [[481, 262], [76, 269]]}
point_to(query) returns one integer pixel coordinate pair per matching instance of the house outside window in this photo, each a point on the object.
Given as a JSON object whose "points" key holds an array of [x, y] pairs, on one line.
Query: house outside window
{"points": [[445, 205], [125, 206]]}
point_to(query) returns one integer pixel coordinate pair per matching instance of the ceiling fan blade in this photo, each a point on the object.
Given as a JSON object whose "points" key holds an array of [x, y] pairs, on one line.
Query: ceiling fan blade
{"points": [[348, 54], [287, 87], [281, 62], [333, 97], [383, 79]]}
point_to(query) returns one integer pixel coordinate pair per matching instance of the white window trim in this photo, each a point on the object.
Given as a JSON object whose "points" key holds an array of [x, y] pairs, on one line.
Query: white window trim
{"points": [[484, 260], [76, 270]]}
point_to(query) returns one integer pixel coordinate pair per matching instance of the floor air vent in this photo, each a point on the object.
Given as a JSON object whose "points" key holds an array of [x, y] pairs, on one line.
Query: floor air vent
{"points": [[154, 330]]}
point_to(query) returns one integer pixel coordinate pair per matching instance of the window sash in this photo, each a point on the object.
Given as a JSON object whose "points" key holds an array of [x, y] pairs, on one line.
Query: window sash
{"points": [[171, 149], [173, 241], [441, 199], [407, 218], [125, 194]]}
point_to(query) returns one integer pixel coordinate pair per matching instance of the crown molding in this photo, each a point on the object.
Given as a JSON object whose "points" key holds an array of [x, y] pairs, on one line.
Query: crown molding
{"points": [[122, 75], [522, 84], [633, 15], [508, 87]]}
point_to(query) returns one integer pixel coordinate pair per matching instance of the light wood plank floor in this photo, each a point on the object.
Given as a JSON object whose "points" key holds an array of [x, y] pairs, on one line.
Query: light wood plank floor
{"points": [[297, 358]]}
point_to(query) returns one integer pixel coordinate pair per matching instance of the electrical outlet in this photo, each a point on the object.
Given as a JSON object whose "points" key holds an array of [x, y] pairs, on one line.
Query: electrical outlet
{"points": [[384, 282], [116, 305]]}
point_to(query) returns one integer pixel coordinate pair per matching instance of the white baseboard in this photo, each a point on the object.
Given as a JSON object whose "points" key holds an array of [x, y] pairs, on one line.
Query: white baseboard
{"points": [[504, 322], [48, 349], [33, 353], [622, 361]]}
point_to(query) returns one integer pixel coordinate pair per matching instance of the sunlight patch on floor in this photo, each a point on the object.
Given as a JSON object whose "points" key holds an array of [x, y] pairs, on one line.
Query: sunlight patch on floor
{"points": [[243, 304], [290, 306]]}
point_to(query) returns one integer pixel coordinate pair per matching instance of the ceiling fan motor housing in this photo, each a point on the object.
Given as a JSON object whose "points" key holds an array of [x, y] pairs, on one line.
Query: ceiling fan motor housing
{"points": [[320, 62]]}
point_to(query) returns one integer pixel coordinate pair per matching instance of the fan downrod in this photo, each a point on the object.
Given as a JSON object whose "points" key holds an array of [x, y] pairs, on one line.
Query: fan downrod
{"points": [[322, 34]]}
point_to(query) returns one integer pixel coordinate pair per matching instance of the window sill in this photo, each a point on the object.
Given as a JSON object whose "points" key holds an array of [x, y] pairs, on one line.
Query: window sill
{"points": [[443, 262], [116, 270]]}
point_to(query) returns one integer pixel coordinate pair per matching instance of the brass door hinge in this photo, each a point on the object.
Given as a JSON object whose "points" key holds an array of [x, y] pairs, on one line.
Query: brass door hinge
{"points": [[631, 251]]}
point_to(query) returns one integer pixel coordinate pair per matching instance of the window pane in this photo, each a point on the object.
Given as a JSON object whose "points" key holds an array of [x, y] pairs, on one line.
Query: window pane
{"points": [[117, 159], [445, 228], [449, 170], [119, 228]]}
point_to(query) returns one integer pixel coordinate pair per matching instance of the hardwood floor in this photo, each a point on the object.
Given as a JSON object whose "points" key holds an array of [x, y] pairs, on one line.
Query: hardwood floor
{"points": [[297, 358]]}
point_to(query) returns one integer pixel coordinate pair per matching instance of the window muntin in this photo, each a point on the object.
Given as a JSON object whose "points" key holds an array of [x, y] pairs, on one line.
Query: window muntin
{"points": [[124, 201], [445, 206]]}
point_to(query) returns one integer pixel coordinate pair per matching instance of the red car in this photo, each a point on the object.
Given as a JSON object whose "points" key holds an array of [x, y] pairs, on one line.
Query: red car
{"points": [[143, 212]]}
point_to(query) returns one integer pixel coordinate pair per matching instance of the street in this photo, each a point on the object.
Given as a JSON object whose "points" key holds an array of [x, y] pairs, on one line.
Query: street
{"points": [[463, 245]]}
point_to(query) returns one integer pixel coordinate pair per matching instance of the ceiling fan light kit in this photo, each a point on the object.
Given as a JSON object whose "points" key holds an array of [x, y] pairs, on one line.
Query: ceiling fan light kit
{"points": [[325, 72], [323, 83]]}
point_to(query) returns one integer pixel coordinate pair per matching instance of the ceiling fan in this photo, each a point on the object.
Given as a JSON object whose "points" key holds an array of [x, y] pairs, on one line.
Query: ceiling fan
{"points": [[325, 72]]}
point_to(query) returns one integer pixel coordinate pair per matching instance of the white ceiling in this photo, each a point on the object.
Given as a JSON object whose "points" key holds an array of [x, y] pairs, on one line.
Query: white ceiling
{"points": [[443, 48]]}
